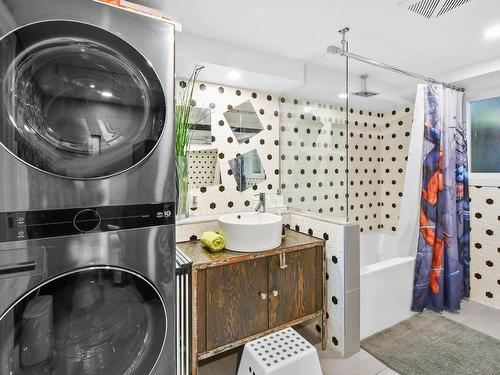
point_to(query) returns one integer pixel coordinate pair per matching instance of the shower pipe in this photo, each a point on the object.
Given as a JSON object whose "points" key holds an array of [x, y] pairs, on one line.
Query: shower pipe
{"points": [[342, 51]]}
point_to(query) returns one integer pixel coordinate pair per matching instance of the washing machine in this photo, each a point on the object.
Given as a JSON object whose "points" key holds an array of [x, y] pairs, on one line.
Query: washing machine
{"points": [[87, 190]]}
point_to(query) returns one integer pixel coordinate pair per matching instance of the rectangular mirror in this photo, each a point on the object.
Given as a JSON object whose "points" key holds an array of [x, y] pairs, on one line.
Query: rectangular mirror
{"points": [[204, 169], [200, 120]]}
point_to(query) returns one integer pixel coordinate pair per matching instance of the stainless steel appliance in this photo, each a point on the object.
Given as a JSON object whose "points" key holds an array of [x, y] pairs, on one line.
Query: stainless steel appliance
{"points": [[86, 106], [87, 235], [113, 301]]}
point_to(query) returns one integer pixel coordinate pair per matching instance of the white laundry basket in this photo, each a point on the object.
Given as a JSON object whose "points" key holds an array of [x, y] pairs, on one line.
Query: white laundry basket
{"points": [[281, 353]]}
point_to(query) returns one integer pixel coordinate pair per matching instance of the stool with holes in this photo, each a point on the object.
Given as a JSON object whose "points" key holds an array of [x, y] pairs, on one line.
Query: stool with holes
{"points": [[281, 353]]}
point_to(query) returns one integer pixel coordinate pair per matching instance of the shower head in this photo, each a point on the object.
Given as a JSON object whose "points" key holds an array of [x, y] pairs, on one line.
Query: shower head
{"points": [[334, 50], [365, 94], [364, 91]]}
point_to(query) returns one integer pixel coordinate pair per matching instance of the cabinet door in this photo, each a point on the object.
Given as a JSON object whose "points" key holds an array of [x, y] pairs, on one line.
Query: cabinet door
{"points": [[299, 286], [235, 309]]}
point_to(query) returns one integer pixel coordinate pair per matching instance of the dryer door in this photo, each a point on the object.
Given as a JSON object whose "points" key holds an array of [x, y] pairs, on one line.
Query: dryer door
{"points": [[89, 322], [77, 101]]}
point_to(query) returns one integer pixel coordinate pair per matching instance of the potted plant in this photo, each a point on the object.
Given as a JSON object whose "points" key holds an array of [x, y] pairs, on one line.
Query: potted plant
{"points": [[183, 130]]}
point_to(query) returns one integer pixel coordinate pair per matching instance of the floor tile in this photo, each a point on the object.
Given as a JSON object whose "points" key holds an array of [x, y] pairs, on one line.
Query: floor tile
{"points": [[488, 310], [388, 371], [469, 310], [361, 363], [477, 316], [487, 324]]}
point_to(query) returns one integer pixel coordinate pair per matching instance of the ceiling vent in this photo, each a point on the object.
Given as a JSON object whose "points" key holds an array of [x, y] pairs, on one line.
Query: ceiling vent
{"points": [[449, 5], [435, 8], [425, 8]]}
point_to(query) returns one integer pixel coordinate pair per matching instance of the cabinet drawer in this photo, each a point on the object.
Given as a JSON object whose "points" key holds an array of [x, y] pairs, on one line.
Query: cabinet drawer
{"points": [[234, 308]]}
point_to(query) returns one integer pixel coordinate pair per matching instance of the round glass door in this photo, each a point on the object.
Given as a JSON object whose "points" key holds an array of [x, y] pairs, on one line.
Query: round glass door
{"points": [[92, 322], [77, 101]]}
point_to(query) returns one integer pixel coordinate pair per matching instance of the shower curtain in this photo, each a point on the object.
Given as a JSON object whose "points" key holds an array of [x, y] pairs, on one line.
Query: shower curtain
{"points": [[442, 262]]}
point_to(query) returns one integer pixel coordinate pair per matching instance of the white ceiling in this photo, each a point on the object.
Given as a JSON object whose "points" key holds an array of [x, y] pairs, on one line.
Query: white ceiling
{"points": [[482, 87], [381, 29]]}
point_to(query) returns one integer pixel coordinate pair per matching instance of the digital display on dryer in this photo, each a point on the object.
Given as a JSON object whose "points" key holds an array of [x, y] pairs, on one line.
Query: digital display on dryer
{"points": [[27, 225]]}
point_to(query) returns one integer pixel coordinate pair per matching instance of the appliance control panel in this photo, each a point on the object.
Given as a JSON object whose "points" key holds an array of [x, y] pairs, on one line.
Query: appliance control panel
{"points": [[28, 225]]}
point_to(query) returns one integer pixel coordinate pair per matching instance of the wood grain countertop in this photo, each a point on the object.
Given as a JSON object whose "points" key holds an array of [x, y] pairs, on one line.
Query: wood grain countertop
{"points": [[202, 258]]}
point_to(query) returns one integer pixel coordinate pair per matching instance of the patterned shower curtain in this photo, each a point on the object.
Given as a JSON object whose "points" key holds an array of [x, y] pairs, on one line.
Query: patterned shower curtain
{"points": [[442, 263]]}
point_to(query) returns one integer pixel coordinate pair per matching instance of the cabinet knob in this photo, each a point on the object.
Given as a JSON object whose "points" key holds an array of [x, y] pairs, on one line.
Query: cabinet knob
{"points": [[275, 293], [263, 295]]}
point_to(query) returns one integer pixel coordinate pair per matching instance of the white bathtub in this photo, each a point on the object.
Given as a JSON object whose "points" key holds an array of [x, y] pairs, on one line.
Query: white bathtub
{"points": [[386, 281]]}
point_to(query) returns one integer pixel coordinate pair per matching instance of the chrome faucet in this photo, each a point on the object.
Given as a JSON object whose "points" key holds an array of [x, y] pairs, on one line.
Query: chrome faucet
{"points": [[262, 202]]}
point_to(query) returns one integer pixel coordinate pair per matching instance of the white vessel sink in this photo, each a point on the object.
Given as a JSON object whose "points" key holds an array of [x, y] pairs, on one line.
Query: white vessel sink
{"points": [[251, 231]]}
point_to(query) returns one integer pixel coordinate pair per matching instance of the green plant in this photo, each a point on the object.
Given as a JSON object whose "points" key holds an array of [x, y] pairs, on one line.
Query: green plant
{"points": [[183, 112]]}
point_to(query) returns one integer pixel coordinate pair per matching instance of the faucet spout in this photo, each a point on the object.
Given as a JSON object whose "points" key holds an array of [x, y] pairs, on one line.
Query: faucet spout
{"points": [[261, 206]]}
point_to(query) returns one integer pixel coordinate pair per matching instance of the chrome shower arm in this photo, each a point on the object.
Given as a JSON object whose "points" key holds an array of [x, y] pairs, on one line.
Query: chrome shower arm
{"points": [[334, 50]]}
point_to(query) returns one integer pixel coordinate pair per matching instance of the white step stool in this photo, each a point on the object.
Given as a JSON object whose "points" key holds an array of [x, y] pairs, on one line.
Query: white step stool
{"points": [[281, 353]]}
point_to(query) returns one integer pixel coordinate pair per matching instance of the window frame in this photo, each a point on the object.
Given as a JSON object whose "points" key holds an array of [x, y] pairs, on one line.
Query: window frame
{"points": [[483, 178]]}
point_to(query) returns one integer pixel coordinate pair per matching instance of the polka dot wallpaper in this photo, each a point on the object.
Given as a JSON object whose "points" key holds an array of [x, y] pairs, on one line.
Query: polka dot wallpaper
{"points": [[224, 197], [485, 245], [313, 156], [378, 151], [313, 161]]}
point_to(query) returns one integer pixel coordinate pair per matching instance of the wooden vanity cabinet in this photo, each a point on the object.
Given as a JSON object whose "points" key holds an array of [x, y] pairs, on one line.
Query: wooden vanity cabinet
{"points": [[296, 290], [238, 297], [234, 307]]}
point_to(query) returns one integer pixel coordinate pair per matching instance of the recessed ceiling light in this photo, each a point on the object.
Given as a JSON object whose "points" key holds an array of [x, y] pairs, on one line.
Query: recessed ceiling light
{"points": [[233, 75], [342, 96], [493, 32], [307, 109], [107, 94]]}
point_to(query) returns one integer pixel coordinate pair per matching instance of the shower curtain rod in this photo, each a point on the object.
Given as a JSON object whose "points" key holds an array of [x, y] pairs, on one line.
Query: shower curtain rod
{"points": [[334, 50]]}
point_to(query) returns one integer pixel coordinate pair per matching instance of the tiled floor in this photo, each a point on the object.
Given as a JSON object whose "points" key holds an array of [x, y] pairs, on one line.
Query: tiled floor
{"points": [[479, 317]]}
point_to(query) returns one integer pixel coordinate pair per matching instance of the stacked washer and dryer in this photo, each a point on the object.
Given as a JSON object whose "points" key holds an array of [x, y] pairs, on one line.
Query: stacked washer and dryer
{"points": [[87, 190]]}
